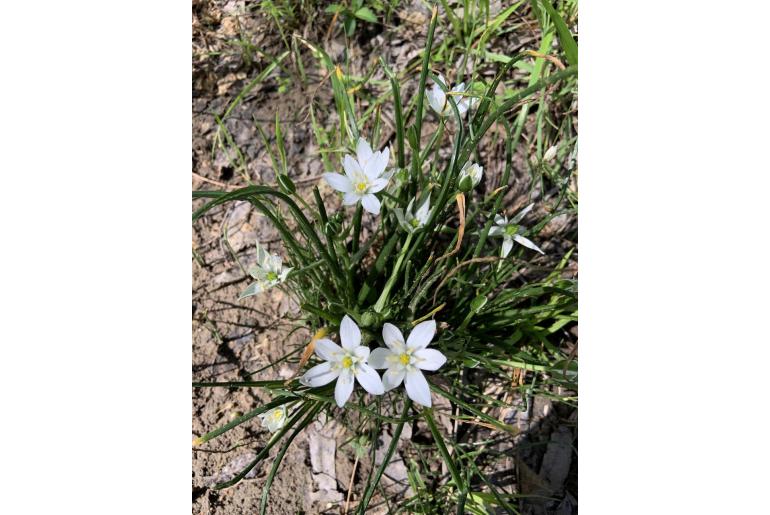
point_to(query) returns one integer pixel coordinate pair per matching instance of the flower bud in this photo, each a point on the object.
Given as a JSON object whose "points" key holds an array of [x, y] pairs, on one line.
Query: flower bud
{"points": [[466, 184], [550, 154]]}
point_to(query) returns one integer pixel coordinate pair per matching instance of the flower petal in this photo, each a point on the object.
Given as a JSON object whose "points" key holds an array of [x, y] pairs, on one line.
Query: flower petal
{"points": [[319, 375], [423, 211], [369, 379], [350, 198], [252, 289], [363, 151], [417, 387], [379, 357], [371, 203], [343, 388], [521, 214], [339, 182], [377, 164], [501, 220], [362, 352], [392, 378], [350, 334], [351, 166], [328, 350], [392, 337], [496, 230], [378, 185], [429, 359], [421, 335], [524, 241], [507, 246]]}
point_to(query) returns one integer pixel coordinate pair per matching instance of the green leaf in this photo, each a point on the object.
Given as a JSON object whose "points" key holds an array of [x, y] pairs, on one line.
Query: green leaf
{"points": [[366, 14], [333, 9], [565, 36]]}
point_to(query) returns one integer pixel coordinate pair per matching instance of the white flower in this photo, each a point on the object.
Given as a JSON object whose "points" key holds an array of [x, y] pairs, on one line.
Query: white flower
{"points": [[268, 272], [550, 154], [410, 220], [404, 360], [274, 419], [343, 363], [438, 99], [364, 176], [511, 231], [472, 170]]}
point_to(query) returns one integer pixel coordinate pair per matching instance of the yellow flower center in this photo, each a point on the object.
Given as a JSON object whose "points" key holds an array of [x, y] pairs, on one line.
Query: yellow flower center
{"points": [[272, 276], [361, 187], [277, 414], [347, 362], [404, 359]]}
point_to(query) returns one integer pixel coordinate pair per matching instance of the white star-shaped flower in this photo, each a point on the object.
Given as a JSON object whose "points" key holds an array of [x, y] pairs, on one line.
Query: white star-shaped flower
{"points": [[473, 170], [438, 99], [274, 419], [268, 272], [344, 364], [364, 176], [511, 231], [404, 361], [411, 220]]}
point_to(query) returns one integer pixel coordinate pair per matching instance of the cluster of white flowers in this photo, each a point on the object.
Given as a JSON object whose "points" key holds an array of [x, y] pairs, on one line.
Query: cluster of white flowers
{"points": [[402, 360]]}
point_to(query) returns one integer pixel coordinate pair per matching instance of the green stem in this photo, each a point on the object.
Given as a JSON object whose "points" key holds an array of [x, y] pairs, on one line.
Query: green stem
{"points": [[380, 304]]}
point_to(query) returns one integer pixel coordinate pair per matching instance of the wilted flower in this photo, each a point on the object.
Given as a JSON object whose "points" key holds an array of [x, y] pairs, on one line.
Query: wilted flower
{"points": [[405, 360], [411, 221], [274, 419], [438, 99], [511, 231], [343, 363], [470, 176], [364, 176], [268, 272]]}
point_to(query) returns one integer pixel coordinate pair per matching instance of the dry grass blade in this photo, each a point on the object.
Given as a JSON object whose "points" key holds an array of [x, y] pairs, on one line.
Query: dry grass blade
{"points": [[308, 352], [460, 198]]}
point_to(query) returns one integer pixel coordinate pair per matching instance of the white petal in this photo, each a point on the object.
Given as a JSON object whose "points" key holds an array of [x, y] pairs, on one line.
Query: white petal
{"points": [[371, 203], [363, 151], [429, 359], [351, 166], [252, 289], [362, 352], [319, 375], [423, 211], [328, 350], [501, 220], [392, 378], [350, 198], [369, 379], [521, 214], [417, 387], [496, 230], [379, 357], [377, 164], [350, 334], [343, 388], [339, 182], [459, 88], [524, 241], [421, 335], [392, 337], [378, 185], [507, 246]]}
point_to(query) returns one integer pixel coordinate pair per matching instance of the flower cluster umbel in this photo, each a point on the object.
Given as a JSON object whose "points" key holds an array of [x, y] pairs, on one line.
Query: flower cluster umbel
{"points": [[403, 361]]}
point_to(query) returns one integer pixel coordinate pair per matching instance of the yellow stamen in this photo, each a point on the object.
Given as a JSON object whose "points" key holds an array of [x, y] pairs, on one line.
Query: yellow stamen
{"points": [[361, 186], [404, 358], [347, 362]]}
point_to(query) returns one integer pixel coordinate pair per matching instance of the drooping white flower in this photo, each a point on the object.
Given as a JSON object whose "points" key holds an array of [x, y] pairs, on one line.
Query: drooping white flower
{"points": [[404, 361], [472, 170], [411, 220], [268, 272], [439, 102], [511, 231], [550, 154], [364, 176], [274, 419], [344, 364]]}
